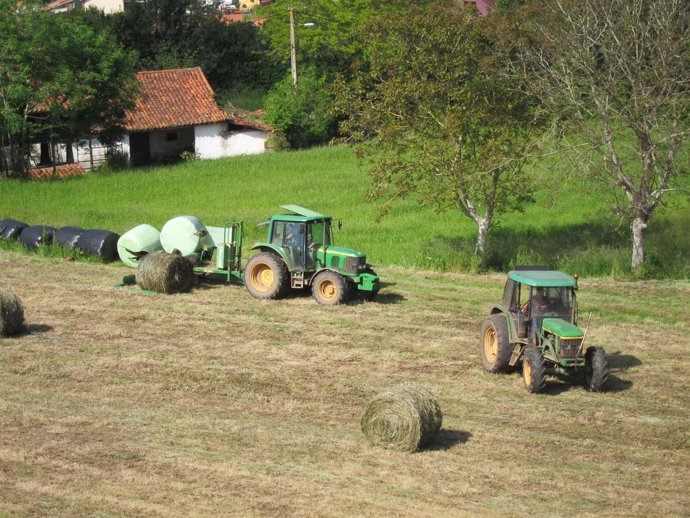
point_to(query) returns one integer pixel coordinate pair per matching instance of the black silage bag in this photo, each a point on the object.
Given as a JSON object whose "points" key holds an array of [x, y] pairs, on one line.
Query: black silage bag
{"points": [[11, 228], [36, 235], [68, 236], [101, 243]]}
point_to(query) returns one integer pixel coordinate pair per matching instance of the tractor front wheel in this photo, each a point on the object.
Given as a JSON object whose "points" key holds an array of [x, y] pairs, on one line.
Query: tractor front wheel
{"points": [[495, 347], [533, 370], [596, 369], [266, 276], [330, 288]]}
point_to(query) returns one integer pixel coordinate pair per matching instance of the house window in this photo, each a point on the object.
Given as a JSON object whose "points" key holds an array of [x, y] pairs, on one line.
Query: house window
{"points": [[171, 136]]}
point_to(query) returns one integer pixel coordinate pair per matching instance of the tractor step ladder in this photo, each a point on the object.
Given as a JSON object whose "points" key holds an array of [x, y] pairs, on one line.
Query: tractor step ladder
{"points": [[297, 280]]}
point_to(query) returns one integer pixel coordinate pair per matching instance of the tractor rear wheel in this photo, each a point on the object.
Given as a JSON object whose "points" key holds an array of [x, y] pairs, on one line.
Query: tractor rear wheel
{"points": [[533, 370], [330, 288], [495, 347], [596, 369], [266, 276]]}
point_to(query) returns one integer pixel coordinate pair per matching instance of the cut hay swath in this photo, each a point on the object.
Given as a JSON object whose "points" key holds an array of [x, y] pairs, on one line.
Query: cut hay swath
{"points": [[405, 418], [11, 314], [165, 273]]}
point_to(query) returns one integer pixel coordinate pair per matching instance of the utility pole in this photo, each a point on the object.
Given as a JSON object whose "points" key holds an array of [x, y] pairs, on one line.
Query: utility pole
{"points": [[293, 47]]}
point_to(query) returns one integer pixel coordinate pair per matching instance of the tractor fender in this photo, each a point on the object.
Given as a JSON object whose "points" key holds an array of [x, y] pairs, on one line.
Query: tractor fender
{"points": [[274, 249], [346, 277], [512, 331]]}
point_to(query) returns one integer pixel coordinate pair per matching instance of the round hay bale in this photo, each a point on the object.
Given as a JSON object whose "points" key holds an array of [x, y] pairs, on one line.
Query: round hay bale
{"points": [[165, 273], [11, 314], [406, 418]]}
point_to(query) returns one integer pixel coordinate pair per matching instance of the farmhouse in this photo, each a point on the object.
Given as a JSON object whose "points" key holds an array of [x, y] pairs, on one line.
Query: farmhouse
{"points": [[175, 113]]}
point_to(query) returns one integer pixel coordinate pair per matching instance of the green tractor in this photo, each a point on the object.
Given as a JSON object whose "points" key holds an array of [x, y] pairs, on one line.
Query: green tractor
{"points": [[537, 325], [298, 253]]}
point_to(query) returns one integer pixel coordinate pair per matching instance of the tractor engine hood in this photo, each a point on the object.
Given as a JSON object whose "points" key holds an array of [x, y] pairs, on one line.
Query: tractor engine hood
{"points": [[345, 260], [345, 252], [562, 328]]}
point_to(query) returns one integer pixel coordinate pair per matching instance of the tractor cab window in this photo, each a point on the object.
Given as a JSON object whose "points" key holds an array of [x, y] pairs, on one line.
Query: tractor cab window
{"points": [[318, 234], [511, 295], [552, 302], [290, 236]]}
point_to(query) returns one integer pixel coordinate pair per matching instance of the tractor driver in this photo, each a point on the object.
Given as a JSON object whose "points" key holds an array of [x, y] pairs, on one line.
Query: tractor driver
{"points": [[294, 241], [535, 307]]}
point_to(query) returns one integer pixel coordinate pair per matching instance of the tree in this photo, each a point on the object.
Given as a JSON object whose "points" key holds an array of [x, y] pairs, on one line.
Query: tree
{"points": [[617, 73], [434, 119], [330, 41], [183, 33], [58, 78], [301, 113]]}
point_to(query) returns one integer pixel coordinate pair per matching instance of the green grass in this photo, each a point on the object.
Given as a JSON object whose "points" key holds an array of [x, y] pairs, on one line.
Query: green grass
{"points": [[568, 227]]}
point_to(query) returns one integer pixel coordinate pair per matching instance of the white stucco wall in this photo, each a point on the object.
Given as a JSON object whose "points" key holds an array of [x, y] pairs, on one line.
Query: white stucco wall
{"points": [[107, 6], [214, 141]]}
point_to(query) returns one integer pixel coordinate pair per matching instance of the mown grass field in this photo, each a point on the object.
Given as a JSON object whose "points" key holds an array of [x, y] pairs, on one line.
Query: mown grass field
{"points": [[569, 227], [212, 403]]}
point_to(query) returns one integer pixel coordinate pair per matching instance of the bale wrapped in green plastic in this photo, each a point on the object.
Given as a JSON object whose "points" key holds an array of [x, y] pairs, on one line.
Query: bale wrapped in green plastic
{"points": [[165, 273], [11, 314], [405, 418]]}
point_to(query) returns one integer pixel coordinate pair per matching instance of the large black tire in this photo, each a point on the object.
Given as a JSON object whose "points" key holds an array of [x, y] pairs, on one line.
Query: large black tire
{"points": [[596, 369], [266, 276], [330, 288], [533, 370], [494, 344]]}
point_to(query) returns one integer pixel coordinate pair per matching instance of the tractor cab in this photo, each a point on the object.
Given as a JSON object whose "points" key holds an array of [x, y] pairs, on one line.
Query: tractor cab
{"points": [[301, 239], [532, 296]]}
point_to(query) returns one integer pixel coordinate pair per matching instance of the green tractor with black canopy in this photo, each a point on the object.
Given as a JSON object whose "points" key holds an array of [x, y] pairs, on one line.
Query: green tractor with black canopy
{"points": [[536, 325]]}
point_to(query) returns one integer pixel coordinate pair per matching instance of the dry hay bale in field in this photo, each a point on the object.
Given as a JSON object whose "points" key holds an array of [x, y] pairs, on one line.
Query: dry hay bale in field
{"points": [[165, 273], [11, 314], [405, 418]]}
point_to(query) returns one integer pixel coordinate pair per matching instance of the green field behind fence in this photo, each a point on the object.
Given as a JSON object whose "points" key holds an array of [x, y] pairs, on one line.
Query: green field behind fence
{"points": [[568, 227]]}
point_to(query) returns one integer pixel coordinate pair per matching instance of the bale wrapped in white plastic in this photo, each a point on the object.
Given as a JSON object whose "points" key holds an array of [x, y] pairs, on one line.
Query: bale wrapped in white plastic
{"points": [[137, 242], [185, 235]]}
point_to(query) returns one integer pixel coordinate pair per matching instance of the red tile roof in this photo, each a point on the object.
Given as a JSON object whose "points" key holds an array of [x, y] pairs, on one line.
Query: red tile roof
{"points": [[174, 98], [67, 5]]}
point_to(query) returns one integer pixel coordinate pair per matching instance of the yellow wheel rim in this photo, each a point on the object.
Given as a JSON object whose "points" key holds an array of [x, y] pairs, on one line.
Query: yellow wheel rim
{"points": [[527, 372], [262, 277], [490, 345], [328, 290]]}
